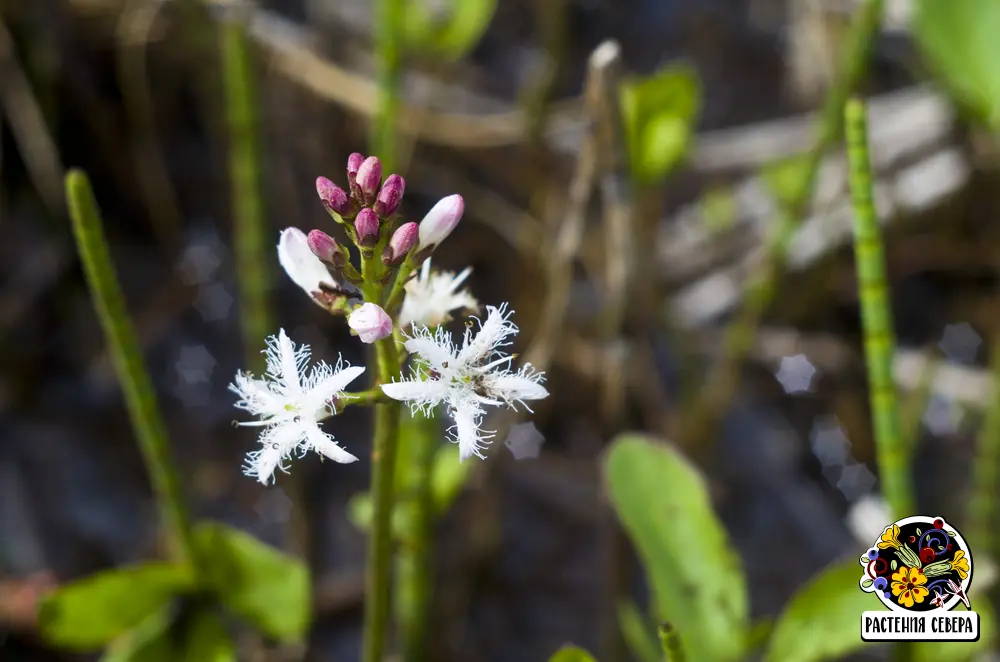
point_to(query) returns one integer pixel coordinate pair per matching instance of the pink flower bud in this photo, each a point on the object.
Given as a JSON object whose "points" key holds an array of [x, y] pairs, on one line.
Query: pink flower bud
{"points": [[366, 227], [403, 239], [354, 162], [369, 178], [390, 196], [334, 198], [441, 220], [370, 322], [323, 246]]}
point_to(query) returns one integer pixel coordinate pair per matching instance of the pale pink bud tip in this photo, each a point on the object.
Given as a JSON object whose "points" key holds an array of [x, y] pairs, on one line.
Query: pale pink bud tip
{"points": [[354, 162], [366, 227], [441, 220], [390, 196], [333, 196], [322, 245], [403, 239], [369, 178], [370, 322]]}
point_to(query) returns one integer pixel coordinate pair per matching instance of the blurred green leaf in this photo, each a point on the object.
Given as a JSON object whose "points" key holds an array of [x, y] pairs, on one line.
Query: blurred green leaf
{"points": [[449, 33], [448, 476], [638, 633], [197, 636], [88, 613], [962, 651], [787, 178], [718, 209], [823, 620], [958, 39], [570, 653], [760, 634], [260, 583], [144, 643], [206, 639], [698, 583], [659, 112]]}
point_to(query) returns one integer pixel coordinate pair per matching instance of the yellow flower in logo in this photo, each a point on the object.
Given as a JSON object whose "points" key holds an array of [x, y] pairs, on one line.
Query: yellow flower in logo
{"points": [[908, 586], [890, 538], [960, 564]]}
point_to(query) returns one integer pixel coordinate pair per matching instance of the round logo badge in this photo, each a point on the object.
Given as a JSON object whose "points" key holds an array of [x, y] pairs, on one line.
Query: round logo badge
{"points": [[918, 564]]}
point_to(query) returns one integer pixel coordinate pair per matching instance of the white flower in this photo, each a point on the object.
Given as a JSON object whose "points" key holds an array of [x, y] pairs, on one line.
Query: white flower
{"points": [[430, 297], [370, 322], [467, 377], [303, 267], [290, 405]]}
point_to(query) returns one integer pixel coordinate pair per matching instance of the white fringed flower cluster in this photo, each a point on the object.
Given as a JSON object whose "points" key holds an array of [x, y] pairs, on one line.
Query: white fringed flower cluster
{"points": [[291, 399]]}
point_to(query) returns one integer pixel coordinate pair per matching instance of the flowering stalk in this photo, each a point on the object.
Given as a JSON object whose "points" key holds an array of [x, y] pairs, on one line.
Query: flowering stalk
{"points": [[132, 374], [292, 399], [415, 558], [379, 566], [388, 16]]}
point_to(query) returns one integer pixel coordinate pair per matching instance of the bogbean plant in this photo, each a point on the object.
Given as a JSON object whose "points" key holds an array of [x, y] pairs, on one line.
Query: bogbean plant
{"points": [[387, 304]]}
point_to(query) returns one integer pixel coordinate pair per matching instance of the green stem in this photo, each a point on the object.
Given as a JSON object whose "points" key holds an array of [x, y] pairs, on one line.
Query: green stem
{"points": [[378, 571], [123, 345], [876, 318], [250, 247], [986, 467], [363, 398], [415, 559], [388, 14], [741, 335], [395, 298]]}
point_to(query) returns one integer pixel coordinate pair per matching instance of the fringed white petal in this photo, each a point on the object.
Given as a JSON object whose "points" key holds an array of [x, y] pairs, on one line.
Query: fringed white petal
{"points": [[325, 445], [471, 439], [420, 392]]}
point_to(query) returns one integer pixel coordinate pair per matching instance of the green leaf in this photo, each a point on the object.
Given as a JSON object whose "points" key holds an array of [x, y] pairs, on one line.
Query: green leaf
{"points": [[638, 633], [787, 178], [963, 651], [823, 620], [448, 476], [570, 653], [718, 209], [260, 583], [760, 635], [206, 639], [198, 635], [451, 34], [696, 577], [958, 41], [90, 612], [659, 112], [144, 643]]}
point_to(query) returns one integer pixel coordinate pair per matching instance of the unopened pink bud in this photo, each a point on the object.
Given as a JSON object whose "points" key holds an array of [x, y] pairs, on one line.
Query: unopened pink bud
{"points": [[441, 220], [390, 196], [322, 245], [354, 162], [371, 323], [369, 178], [334, 198], [403, 239], [366, 227]]}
